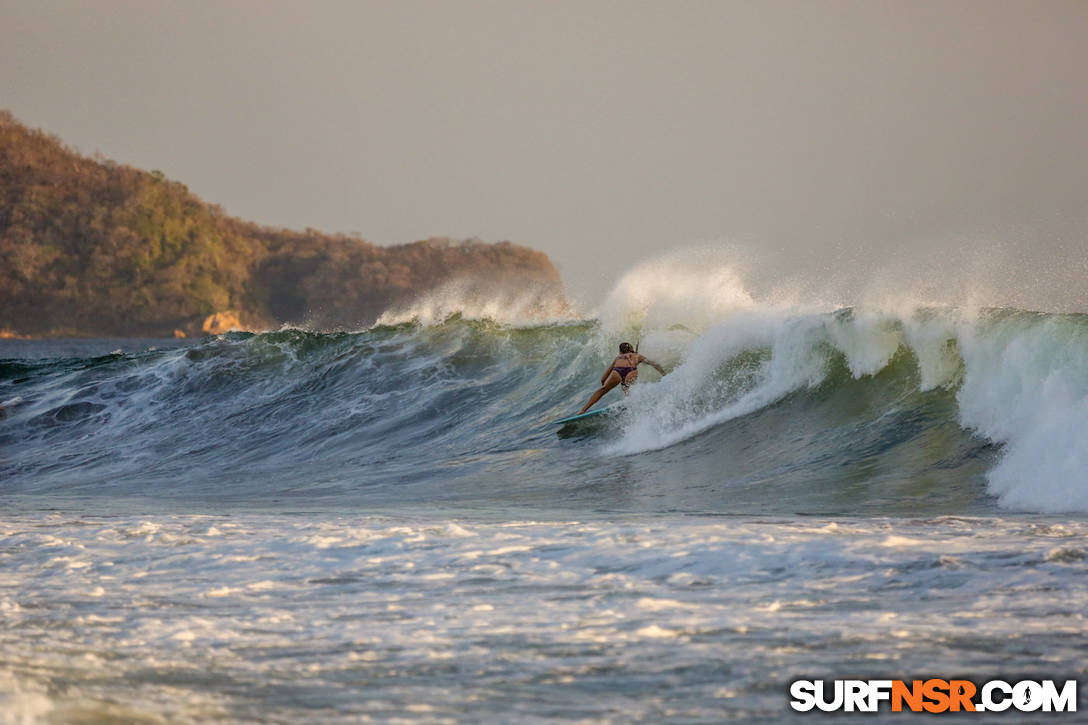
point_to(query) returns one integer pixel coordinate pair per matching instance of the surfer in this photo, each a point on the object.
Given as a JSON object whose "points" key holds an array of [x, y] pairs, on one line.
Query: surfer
{"points": [[623, 371]]}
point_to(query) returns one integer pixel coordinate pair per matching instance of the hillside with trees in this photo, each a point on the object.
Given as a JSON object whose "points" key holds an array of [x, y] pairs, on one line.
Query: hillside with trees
{"points": [[89, 247]]}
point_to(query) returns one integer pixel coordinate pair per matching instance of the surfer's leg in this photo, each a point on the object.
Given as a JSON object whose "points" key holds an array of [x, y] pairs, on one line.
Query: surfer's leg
{"points": [[612, 381]]}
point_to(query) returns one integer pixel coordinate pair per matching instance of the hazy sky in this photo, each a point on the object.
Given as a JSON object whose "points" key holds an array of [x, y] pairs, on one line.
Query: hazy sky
{"points": [[812, 133]]}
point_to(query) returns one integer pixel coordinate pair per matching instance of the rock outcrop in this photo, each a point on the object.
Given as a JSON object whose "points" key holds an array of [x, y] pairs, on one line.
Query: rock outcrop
{"points": [[221, 322]]}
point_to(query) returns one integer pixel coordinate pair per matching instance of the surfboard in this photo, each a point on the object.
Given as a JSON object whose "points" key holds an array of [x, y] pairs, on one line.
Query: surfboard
{"points": [[589, 414], [7, 405]]}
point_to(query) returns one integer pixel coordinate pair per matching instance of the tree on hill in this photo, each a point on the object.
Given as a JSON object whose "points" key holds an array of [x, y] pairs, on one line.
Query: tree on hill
{"points": [[90, 247]]}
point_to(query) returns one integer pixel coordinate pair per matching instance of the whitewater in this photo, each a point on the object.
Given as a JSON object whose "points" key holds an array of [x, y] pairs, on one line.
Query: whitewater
{"points": [[384, 524]]}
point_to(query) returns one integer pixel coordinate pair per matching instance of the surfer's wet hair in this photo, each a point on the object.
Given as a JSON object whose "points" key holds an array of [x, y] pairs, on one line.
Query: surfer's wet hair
{"points": [[625, 347]]}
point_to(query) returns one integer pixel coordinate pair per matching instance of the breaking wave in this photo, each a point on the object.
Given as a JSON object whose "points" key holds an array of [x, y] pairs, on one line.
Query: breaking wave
{"points": [[767, 407]]}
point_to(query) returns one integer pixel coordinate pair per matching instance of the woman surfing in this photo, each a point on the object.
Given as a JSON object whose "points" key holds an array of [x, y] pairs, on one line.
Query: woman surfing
{"points": [[623, 371]]}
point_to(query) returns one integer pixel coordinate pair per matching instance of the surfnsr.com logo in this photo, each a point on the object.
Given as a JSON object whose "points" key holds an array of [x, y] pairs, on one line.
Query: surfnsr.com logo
{"points": [[933, 695]]}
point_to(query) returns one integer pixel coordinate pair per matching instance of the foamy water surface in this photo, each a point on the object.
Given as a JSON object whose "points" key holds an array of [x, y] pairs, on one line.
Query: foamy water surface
{"points": [[254, 618]]}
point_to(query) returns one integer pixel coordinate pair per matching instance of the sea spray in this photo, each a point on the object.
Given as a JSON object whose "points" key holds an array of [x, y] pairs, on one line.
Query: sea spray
{"points": [[665, 303], [532, 303]]}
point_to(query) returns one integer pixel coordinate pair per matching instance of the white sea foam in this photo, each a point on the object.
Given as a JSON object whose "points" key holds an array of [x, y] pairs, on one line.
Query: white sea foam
{"points": [[22, 703], [1026, 385]]}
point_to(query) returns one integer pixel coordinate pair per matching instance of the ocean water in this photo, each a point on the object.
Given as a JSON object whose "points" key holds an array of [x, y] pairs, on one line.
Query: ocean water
{"points": [[384, 525]]}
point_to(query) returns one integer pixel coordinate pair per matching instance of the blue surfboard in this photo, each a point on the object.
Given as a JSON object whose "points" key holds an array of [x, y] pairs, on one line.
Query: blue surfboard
{"points": [[589, 414]]}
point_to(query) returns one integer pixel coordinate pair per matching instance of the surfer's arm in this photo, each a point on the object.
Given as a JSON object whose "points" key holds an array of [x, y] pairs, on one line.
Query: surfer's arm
{"points": [[651, 363]]}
